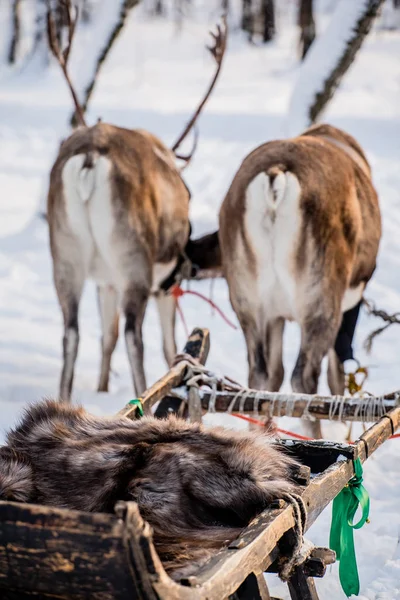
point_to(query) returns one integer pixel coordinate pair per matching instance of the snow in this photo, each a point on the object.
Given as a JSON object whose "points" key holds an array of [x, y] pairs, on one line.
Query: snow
{"points": [[153, 79]]}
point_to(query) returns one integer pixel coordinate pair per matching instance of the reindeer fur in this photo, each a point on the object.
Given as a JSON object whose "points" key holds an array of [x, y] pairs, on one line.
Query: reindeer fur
{"points": [[196, 487]]}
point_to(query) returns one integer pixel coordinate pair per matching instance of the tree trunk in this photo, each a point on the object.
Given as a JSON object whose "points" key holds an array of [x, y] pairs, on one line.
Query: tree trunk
{"points": [[360, 32], [119, 24], [40, 50], [268, 12], [247, 17], [85, 11], [328, 59], [396, 3], [307, 26], [16, 30], [159, 8]]}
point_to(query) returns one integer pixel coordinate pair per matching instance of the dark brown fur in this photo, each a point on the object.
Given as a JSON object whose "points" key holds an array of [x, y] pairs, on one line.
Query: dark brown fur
{"points": [[197, 488]]}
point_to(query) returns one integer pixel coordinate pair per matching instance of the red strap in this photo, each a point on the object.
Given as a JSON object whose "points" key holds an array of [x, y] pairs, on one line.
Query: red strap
{"points": [[285, 431], [178, 292]]}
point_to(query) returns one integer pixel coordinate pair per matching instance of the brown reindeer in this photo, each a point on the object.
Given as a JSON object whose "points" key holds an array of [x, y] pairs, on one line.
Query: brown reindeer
{"points": [[299, 234], [117, 213], [197, 488]]}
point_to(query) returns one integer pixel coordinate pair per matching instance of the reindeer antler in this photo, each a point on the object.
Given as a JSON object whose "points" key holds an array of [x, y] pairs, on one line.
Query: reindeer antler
{"points": [[217, 51], [62, 56]]}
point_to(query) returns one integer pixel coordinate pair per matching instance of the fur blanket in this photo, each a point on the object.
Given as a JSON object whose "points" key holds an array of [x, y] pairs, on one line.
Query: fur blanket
{"points": [[196, 487]]}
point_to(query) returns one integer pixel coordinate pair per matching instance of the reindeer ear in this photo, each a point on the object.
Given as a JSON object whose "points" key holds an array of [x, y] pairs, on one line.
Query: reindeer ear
{"points": [[16, 478]]}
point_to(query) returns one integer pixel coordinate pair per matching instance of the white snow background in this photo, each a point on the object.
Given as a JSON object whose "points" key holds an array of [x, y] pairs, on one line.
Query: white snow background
{"points": [[153, 79]]}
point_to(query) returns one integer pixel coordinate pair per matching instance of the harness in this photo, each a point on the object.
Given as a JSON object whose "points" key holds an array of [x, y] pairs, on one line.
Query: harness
{"points": [[184, 268]]}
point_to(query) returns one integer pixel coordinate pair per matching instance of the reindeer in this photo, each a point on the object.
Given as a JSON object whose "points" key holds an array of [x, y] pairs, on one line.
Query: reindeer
{"points": [[117, 213], [299, 233]]}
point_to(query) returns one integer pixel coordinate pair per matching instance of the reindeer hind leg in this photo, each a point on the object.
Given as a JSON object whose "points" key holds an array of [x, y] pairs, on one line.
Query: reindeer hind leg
{"points": [[166, 305], [274, 351], [318, 333], [69, 280], [108, 299], [134, 306]]}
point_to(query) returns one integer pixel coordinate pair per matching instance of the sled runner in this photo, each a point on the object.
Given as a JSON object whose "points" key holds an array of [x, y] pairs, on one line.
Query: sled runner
{"points": [[53, 553]]}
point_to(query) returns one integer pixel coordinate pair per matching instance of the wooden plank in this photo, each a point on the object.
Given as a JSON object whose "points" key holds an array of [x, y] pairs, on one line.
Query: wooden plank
{"points": [[158, 390], [378, 433], [151, 580], [44, 553], [253, 530], [226, 571], [36, 516], [194, 405], [319, 559], [325, 487], [294, 405], [197, 346], [301, 586], [254, 587]]}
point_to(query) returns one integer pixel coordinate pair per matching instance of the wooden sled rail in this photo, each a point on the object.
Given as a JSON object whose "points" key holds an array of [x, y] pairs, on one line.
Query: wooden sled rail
{"points": [[197, 347], [344, 408]]}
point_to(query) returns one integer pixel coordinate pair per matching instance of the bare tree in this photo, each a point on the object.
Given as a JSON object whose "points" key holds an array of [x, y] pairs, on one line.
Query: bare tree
{"points": [[268, 15], [259, 18], [247, 17], [126, 7], [16, 30], [40, 49], [307, 26], [328, 60], [159, 7], [360, 31]]}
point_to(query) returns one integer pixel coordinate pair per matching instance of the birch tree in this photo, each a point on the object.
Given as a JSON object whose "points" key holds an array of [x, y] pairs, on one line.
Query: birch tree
{"points": [[328, 59]]}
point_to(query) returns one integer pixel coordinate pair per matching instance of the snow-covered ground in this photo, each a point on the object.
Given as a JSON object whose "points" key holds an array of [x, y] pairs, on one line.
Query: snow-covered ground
{"points": [[152, 80]]}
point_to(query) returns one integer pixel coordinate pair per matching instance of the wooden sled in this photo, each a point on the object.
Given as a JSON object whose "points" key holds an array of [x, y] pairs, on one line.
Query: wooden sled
{"points": [[53, 553]]}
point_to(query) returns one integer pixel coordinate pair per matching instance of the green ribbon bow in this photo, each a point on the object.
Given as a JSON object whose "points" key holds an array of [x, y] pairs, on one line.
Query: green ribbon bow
{"points": [[341, 537], [138, 403]]}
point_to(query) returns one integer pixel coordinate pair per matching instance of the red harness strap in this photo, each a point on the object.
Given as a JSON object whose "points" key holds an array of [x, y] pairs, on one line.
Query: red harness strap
{"points": [[177, 292], [284, 431]]}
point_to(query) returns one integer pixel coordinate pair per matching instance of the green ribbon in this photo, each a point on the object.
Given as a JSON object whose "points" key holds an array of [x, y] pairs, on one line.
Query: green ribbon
{"points": [[341, 537], [139, 407]]}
